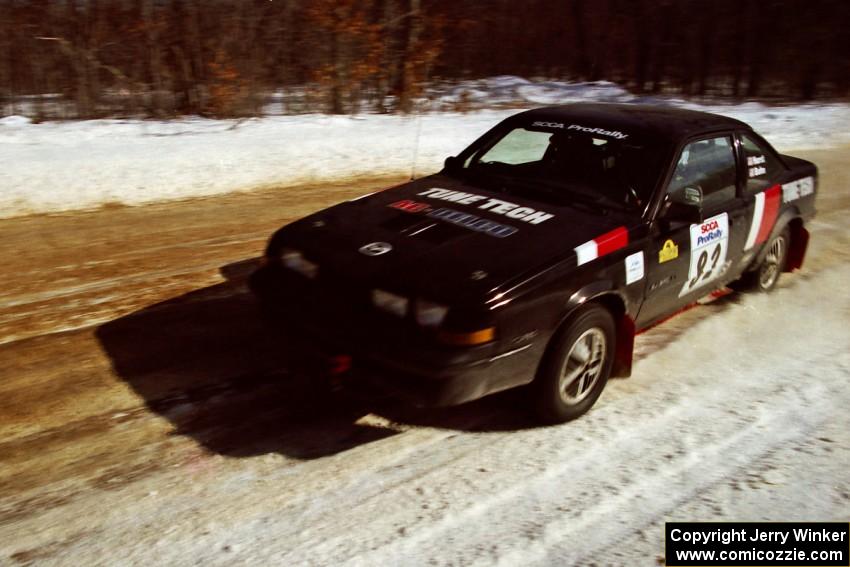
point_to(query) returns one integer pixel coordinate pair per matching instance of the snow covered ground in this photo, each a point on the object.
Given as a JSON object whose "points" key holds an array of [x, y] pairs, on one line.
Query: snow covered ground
{"points": [[145, 419], [60, 166]]}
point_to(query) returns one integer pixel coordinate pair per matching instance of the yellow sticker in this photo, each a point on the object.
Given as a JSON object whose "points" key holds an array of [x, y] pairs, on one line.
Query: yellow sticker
{"points": [[668, 252]]}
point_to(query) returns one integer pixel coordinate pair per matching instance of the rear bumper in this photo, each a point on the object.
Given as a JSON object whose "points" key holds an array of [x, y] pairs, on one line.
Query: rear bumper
{"points": [[358, 351]]}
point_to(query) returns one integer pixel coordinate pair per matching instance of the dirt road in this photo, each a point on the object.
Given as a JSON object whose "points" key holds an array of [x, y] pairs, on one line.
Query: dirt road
{"points": [[146, 418]]}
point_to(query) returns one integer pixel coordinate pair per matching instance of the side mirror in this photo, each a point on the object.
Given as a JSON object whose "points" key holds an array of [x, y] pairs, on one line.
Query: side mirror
{"points": [[677, 211], [452, 164]]}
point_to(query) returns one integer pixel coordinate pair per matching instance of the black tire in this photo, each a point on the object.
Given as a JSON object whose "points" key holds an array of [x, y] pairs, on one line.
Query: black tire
{"points": [[765, 276], [561, 390]]}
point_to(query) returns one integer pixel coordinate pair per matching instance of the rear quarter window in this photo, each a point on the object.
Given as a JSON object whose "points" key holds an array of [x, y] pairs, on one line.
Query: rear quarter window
{"points": [[762, 167]]}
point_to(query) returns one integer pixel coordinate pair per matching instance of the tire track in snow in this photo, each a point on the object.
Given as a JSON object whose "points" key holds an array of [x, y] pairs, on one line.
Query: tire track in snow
{"points": [[567, 504], [574, 539]]}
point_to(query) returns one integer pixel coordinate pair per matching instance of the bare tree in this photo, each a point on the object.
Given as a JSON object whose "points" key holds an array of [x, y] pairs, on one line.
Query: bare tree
{"points": [[224, 57]]}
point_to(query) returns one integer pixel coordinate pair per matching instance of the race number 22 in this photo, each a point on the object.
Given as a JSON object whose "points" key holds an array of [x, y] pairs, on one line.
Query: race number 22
{"points": [[709, 241], [704, 271]]}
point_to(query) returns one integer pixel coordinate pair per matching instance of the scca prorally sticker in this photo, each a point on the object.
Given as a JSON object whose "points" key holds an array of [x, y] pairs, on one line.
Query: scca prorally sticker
{"points": [[797, 189], [634, 267], [709, 241], [498, 206], [540, 124], [601, 131]]}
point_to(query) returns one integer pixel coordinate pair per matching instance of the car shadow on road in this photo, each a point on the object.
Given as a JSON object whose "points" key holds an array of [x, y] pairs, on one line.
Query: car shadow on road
{"points": [[206, 362]]}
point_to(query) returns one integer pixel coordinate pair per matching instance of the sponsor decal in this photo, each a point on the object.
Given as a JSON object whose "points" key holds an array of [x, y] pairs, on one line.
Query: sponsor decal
{"points": [[498, 206], [662, 282], [540, 124], [709, 241], [754, 163], [587, 129], [590, 130], [453, 196], [602, 245], [375, 248], [634, 267], [797, 189], [764, 216], [670, 251], [709, 230], [473, 222], [410, 206], [465, 220]]}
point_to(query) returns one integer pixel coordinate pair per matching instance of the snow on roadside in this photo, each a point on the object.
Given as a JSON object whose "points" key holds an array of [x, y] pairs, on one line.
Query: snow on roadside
{"points": [[52, 167], [60, 166]]}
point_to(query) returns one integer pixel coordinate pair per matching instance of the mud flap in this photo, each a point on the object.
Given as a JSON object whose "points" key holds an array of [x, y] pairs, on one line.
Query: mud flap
{"points": [[622, 367], [337, 367], [797, 250]]}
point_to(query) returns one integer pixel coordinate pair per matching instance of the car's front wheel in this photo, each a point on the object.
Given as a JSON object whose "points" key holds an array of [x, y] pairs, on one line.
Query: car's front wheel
{"points": [[573, 373]]}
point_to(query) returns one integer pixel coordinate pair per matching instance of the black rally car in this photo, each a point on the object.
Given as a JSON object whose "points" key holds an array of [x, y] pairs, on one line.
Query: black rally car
{"points": [[538, 251]]}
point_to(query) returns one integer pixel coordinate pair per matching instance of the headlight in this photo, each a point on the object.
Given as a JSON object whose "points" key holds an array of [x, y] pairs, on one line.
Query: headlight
{"points": [[390, 302], [295, 261], [430, 314]]}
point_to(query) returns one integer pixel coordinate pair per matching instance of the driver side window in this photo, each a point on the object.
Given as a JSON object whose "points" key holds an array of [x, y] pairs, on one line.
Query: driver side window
{"points": [[705, 173]]}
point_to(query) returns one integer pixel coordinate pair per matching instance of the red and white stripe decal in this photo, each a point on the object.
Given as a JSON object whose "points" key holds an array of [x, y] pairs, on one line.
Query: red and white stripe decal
{"points": [[764, 216], [602, 245]]}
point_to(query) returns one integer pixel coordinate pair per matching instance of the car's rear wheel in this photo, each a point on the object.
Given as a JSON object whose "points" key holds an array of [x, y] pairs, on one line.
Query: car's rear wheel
{"points": [[575, 370], [766, 275]]}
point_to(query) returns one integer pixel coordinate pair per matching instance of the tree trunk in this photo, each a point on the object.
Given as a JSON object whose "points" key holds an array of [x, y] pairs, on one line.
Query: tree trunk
{"points": [[582, 59], [154, 49], [407, 77], [739, 50], [338, 62], [706, 32], [756, 53], [643, 47]]}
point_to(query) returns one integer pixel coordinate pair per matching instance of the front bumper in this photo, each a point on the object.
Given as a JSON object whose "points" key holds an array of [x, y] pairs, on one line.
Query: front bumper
{"points": [[339, 337]]}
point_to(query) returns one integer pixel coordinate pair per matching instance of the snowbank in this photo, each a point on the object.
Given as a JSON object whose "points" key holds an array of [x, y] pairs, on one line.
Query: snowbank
{"points": [[59, 166]]}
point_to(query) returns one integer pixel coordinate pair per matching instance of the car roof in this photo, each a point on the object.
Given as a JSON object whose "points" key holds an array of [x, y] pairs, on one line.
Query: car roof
{"points": [[665, 122]]}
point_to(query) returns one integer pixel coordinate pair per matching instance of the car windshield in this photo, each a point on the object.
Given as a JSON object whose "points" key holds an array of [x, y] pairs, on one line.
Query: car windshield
{"points": [[601, 167]]}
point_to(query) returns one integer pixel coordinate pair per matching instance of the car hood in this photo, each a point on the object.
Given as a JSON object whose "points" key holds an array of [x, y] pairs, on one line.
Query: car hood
{"points": [[444, 239]]}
